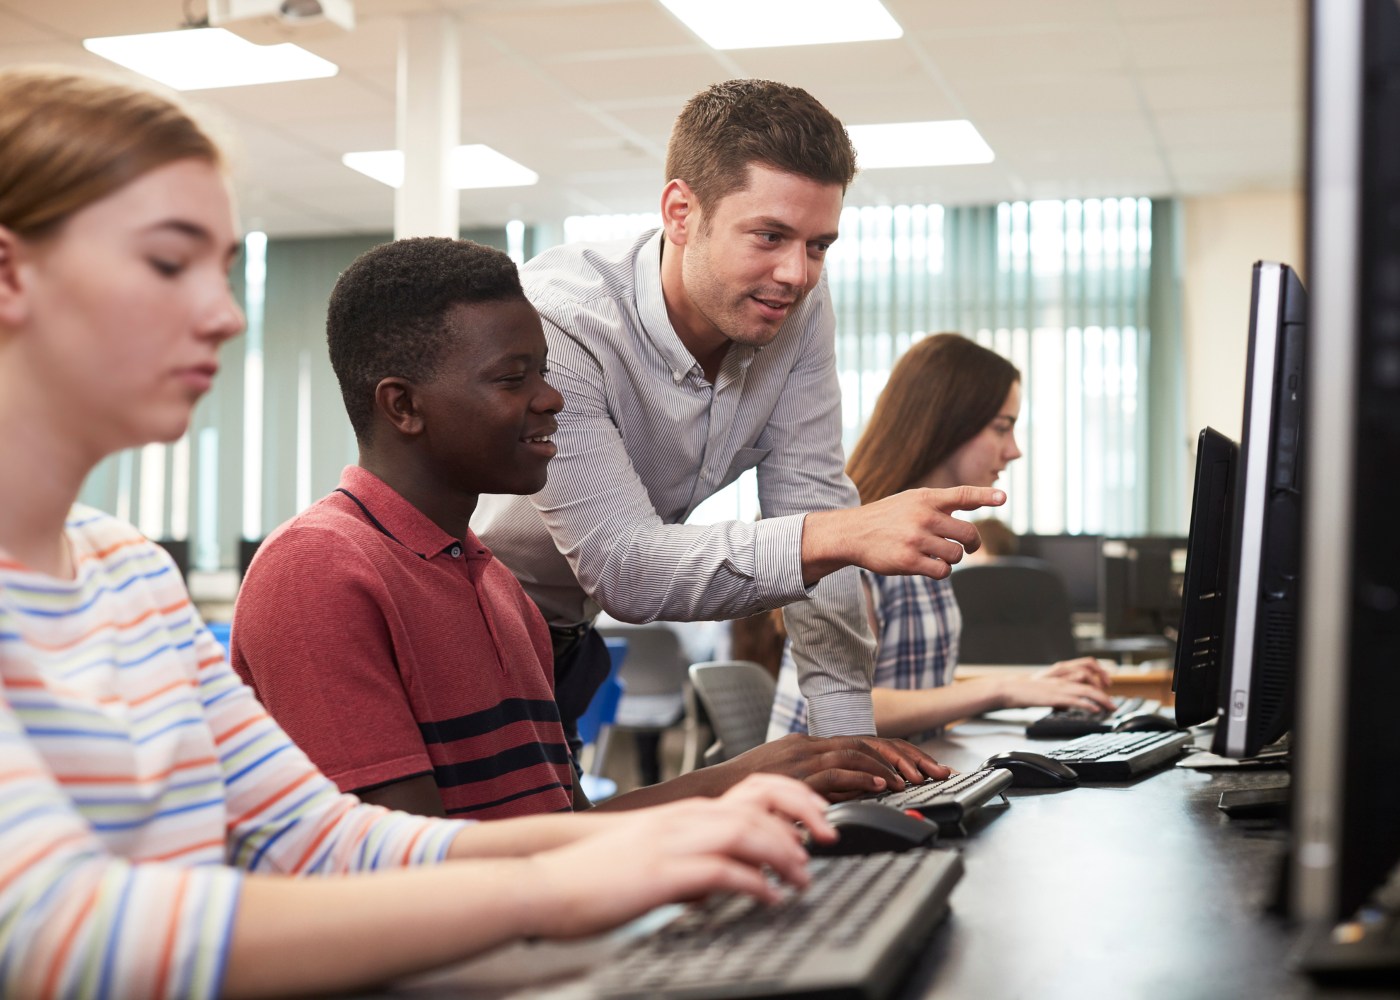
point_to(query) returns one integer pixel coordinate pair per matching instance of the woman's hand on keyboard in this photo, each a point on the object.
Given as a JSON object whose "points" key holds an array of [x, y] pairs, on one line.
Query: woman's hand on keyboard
{"points": [[1069, 684], [676, 852], [1083, 669]]}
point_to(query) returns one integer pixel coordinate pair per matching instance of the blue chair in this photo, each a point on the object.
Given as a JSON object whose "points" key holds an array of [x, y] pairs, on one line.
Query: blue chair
{"points": [[597, 720], [221, 633]]}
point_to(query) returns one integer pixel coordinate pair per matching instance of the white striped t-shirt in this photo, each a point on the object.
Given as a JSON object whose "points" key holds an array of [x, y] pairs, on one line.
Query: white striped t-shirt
{"points": [[138, 775]]}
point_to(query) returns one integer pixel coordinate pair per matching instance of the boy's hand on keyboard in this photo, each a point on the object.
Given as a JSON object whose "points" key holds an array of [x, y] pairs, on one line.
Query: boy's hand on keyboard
{"points": [[842, 767], [678, 852]]}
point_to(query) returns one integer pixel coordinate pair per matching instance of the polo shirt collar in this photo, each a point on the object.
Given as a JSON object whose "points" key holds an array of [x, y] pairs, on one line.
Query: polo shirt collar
{"points": [[406, 523], [651, 309]]}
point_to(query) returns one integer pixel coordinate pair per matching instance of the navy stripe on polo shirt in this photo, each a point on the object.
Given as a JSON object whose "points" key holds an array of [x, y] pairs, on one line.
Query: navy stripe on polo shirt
{"points": [[490, 769], [477, 723]]}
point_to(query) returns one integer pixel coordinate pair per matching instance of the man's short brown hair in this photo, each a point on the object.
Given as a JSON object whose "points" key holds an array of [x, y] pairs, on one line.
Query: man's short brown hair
{"points": [[728, 126]]}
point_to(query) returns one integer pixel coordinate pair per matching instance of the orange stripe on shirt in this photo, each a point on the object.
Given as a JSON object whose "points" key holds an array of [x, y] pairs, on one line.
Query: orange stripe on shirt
{"points": [[331, 823], [272, 799], [173, 685], [413, 841], [224, 737], [66, 942], [189, 849], [167, 610], [125, 543], [172, 930], [126, 779], [25, 863]]}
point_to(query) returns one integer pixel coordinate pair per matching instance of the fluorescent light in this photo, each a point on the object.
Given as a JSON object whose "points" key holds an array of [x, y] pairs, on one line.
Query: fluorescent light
{"points": [[202, 58], [474, 166], [919, 144], [759, 24]]}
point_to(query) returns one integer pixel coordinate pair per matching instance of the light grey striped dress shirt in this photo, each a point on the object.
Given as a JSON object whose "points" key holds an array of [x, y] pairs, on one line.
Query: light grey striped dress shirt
{"points": [[644, 438]]}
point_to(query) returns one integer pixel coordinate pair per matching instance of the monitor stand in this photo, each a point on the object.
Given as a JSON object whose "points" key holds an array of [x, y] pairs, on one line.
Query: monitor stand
{"points": [[1256, 803]]}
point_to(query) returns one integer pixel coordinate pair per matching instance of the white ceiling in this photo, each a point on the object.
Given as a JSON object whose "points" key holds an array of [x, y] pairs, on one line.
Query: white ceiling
{"points": [[1078, 98]]}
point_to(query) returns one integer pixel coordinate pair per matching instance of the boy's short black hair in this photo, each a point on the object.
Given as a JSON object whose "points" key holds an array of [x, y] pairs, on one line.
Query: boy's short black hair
{"points": [[388, 310]]}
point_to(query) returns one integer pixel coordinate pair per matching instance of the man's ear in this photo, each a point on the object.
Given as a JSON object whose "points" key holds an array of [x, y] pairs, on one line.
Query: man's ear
{"points": [[14, 304], [395, 401], [680, 212]]}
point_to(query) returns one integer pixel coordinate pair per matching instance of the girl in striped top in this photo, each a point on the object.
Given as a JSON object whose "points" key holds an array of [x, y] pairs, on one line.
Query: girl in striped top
{"points": [[946, 418], [150, 811]]}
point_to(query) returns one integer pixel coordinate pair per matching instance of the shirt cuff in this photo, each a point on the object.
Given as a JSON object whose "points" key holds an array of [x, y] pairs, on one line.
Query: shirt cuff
{"points": [[841, 713], [777, 549]]}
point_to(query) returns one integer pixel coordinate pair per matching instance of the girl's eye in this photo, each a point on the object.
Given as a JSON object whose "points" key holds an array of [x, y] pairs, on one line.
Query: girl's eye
{"points": [[165, 267]]}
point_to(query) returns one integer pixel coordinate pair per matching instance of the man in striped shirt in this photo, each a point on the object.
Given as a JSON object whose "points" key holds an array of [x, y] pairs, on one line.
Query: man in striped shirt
{"points": [[685, 357]]}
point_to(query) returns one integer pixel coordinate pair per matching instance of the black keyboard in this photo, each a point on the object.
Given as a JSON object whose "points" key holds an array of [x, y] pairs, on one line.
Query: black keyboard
{"points": [[951, 801], [853, 931], [1119, 756], [1063, 723]]}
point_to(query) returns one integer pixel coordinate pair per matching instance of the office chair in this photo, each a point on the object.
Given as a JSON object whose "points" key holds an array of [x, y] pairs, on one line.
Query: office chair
{"points": [[596, 722], [654, 685], [737, 696], [1015, 610]]}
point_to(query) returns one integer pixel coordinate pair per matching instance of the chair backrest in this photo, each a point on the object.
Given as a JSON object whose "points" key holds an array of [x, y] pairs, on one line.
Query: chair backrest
{"points": [[737, 695], [602, 709], [655, 663], [1014, 610]]}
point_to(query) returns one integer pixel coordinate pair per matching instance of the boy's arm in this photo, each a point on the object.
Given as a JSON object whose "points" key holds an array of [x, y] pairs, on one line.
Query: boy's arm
{"points": [[414, 795]]}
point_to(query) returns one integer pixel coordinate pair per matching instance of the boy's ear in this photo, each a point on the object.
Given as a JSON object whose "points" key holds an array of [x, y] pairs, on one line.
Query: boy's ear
{"points": [[396, 402]]}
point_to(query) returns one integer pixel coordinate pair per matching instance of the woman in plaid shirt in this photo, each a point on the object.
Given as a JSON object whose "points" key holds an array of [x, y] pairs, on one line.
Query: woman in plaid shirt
{"points": [[947, 417]]}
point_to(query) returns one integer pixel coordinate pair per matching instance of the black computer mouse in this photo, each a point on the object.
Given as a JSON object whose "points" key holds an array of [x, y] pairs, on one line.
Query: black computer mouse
{"points": [[867, 827], [1147, 722], [1034, 770]]}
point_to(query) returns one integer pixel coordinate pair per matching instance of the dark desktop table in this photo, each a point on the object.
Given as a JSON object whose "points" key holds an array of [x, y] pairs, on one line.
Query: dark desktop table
{"points": [[1142, 889], [1136, 889]]}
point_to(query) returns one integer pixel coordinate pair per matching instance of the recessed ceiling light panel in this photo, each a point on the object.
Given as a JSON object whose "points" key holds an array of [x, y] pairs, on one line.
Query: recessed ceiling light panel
{"points": [[473, 166], [759, 24], [919, 144], [204, 58]]}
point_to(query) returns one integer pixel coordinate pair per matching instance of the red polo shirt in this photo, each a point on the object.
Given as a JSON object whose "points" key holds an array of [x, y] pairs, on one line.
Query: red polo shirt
{"points": [[388, 649]]}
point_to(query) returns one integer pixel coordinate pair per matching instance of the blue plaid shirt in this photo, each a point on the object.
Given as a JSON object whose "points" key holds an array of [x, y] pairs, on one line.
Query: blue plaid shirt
{"points": [[918, 625]]}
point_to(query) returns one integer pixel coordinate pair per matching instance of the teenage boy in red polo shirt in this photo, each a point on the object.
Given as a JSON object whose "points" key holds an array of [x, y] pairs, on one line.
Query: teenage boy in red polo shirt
{"points": [[385, 638]]}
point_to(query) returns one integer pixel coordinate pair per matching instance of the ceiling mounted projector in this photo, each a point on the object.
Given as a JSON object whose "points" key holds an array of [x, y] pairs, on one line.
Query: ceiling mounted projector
{"points": [[270, 21]]}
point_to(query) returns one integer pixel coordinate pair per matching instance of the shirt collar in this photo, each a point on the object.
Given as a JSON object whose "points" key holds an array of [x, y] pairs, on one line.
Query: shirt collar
{"points": [[405, 522]]}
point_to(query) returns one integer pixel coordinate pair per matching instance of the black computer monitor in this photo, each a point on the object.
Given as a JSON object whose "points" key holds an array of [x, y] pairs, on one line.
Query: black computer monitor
{"points": [[179, 550], [1076, 557], [1256, 697], [247, 548], [1346, 817], [1140, 583], [1200, 649]]}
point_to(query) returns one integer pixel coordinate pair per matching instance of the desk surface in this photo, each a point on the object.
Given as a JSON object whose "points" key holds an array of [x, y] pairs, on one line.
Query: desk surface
{"points": [[1140, 889]]}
